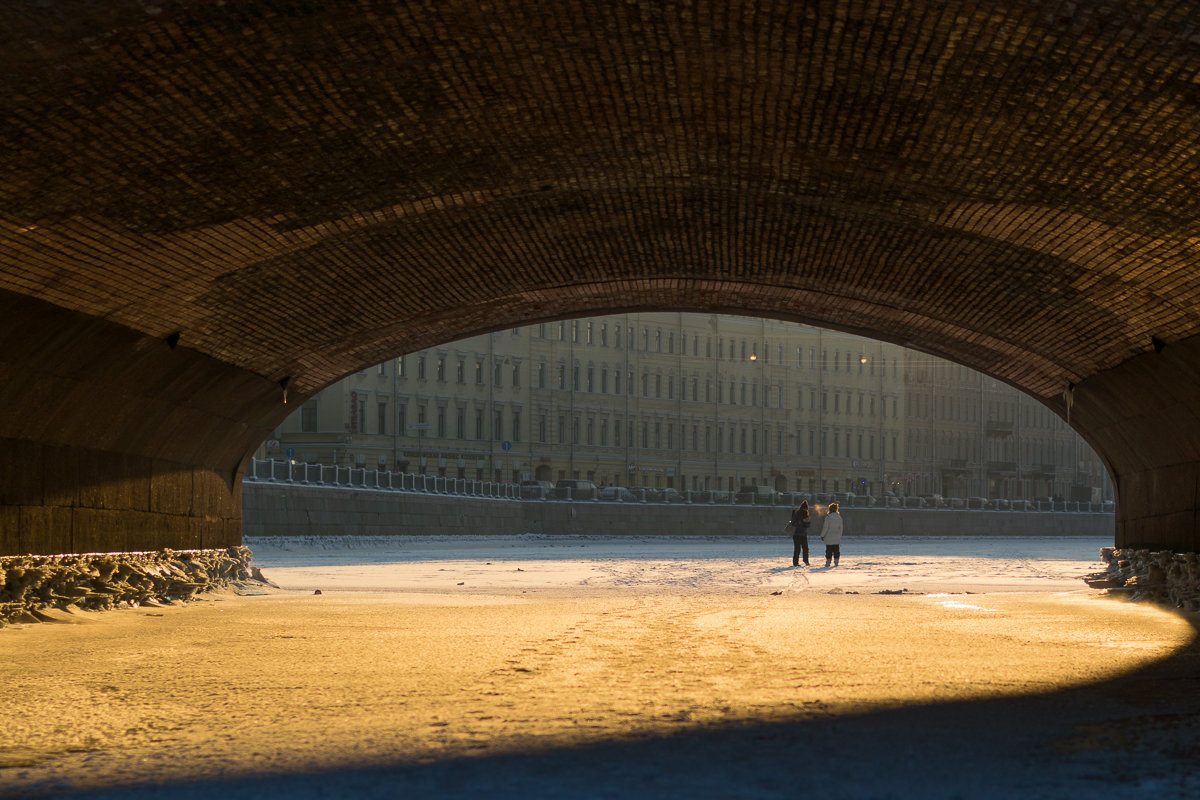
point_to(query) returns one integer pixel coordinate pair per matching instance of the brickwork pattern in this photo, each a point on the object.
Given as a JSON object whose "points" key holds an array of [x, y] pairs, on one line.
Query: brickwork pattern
{"points": [[299, 188], [281, 192]]}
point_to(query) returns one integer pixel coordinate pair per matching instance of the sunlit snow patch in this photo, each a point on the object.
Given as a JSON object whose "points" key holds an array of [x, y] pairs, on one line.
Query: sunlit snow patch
{"points": [[956, 603]]}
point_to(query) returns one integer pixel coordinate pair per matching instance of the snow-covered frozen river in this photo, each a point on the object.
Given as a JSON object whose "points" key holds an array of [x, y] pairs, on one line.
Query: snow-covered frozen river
{"points": [[534, 561], [636, 668]]}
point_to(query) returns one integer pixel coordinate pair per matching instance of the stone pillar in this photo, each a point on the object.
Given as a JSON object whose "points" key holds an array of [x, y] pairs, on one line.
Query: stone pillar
{"points": [[1143, 418], [112, 441], [58, 499]]}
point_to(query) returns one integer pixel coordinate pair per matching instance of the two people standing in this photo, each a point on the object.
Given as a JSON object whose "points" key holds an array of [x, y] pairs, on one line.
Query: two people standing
{"points": [[831, 534]]}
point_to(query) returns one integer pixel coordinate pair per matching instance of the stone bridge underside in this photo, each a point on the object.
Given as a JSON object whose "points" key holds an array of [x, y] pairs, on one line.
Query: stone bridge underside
{"points": [[205, 204]]}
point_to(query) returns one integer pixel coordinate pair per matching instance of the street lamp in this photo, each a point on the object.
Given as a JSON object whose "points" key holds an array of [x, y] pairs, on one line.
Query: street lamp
{"points": [[762, 400], [820, 412], [715, 323], [881, 409]]}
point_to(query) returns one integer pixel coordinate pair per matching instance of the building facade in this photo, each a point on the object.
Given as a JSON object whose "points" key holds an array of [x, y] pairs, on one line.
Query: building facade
{"points": [[688, 401], [969, 435]]}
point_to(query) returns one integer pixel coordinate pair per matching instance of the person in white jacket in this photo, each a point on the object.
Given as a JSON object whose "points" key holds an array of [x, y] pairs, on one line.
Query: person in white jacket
{"points": [[831, 534]]}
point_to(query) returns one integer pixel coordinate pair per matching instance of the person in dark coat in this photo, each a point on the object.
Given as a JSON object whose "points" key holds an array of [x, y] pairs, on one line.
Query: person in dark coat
{"points": [[800, 521]]}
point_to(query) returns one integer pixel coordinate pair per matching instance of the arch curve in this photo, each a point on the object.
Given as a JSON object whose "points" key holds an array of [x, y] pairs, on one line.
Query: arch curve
{"points": [[187, 238], [984, 351]]}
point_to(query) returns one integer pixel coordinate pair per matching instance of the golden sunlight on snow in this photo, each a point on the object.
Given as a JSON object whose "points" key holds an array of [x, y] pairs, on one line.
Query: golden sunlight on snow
{"points": [[293, 681]]}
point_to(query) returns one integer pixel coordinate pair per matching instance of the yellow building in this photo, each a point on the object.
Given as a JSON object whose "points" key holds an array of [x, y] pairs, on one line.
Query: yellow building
{"points": [[969, 435], [694, 402], [689, 401]]}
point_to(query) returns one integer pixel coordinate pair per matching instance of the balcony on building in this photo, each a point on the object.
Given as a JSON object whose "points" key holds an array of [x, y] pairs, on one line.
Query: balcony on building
{"points": [[996, 427]]}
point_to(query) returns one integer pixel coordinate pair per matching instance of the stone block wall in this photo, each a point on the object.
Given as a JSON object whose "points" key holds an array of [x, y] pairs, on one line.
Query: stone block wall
{"points": [[287, 510]]}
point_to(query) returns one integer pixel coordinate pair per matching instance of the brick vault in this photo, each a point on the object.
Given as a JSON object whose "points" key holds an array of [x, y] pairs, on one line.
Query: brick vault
{"points": [[204, 205]]}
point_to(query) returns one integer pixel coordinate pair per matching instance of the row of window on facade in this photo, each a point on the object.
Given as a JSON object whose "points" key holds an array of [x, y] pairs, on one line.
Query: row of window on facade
{"points": [[358, 414], [924, 445], [591, 430], [968, 409], [441, 367], [653, 385], [589, 332]]}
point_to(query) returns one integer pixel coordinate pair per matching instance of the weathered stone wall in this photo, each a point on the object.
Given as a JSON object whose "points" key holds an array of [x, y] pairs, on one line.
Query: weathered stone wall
{"points": [[116, 441], [97, 581], [1141, 416], [275, 510], [1157, 576]]}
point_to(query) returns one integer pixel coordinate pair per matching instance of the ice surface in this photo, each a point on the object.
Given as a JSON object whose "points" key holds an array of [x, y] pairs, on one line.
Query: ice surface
{"points": [[868, 564]]}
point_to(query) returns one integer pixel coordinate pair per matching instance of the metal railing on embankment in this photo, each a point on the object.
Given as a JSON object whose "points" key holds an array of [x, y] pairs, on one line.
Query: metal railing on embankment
{"points": [[273, 471], [285, 472]]}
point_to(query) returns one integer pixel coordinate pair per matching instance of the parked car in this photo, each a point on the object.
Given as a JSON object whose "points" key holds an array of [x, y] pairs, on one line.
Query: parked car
{"points": [[794, 499], [617, 494], [977, 502], [665, 495], [912, 501], [1001, 504], [536, 490], [573, 489], [712, 496], [1023, 505], [757, 495]]}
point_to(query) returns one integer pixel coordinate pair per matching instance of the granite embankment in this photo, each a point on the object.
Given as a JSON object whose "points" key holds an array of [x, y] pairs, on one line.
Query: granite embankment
{"points": [[277, 510]]}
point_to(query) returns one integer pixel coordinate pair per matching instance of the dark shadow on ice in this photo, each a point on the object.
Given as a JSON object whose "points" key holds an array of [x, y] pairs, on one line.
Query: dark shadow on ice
{"points": [[1137, 735]]}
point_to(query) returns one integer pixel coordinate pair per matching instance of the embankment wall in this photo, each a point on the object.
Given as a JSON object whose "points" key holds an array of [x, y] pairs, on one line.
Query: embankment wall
{"points": [[274, 510]]}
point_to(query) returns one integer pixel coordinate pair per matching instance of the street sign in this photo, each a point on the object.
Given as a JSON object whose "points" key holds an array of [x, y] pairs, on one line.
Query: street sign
{"points": [[419, 426], [506, 445], [291, 452]]}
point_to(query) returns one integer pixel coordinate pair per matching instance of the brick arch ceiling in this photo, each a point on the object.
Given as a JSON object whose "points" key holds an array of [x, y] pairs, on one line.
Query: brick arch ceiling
{"points": [[286, 191]]}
